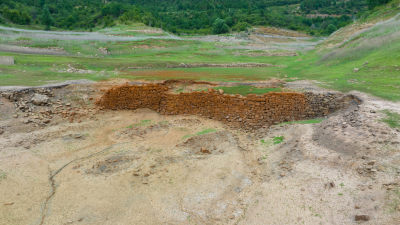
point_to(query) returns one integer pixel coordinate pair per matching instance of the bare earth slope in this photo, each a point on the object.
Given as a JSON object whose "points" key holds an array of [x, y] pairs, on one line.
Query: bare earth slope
{"points": [[139, 167]]}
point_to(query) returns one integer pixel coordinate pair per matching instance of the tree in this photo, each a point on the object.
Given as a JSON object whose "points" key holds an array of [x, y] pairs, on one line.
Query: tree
{"points": [[373, 3], [17, 16], [47, 20], [220, 27], [241, 26], [331, 28]]}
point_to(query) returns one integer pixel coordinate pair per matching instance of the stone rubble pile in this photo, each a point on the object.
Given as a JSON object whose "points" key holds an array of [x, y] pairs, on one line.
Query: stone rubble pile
{"points": [[39, 106], [249, 112]]}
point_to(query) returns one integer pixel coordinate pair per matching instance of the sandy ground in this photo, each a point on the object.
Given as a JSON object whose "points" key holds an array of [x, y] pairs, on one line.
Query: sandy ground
{"points": [[139, 167]]}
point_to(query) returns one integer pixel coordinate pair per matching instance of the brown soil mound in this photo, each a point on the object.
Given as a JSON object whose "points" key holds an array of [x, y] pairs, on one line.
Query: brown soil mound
{"points": [[250, 112]]}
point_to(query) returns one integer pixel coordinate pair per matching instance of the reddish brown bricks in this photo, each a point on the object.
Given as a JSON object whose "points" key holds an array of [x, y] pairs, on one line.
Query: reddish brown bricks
{"points": [[250, 112]]}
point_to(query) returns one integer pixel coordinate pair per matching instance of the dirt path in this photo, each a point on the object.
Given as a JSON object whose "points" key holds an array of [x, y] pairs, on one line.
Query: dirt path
{"points": [[71, 35], [30, 50]]}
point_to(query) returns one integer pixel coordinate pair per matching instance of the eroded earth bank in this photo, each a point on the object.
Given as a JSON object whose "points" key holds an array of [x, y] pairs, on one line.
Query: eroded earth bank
{"points": [[69, 155]]}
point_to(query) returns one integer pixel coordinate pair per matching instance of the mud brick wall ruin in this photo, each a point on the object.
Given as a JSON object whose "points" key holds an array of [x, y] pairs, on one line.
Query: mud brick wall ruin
{"points": [[248, 112]]}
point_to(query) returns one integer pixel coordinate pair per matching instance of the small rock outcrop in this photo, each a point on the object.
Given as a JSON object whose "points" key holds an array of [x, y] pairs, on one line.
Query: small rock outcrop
{"points": [[39, 99]]}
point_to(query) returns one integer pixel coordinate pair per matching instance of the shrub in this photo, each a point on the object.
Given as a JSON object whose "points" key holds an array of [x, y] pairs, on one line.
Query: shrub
{"points": [[220, 27]]}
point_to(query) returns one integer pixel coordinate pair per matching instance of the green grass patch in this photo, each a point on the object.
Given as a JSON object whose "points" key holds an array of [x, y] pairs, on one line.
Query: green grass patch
{"points": [[278, 140], [3, 175], [394, 202], [205, 131], [311, 121], [142, 123], [245, 90], [272, 141], [392, 119]]}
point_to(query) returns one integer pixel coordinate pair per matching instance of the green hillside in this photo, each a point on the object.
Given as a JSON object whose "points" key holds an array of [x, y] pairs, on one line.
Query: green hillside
{"points": [[317, 17], [365, 59]]}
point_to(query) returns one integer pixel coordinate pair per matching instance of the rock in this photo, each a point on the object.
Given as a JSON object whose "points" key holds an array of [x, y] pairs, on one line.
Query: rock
{"points": [[15, 115], [205, 151], [361, 218], [1, 131], [221, 91], [104, 51], [27, 121], [46, 121], [355, 70], [6, 95], [39, 99]]}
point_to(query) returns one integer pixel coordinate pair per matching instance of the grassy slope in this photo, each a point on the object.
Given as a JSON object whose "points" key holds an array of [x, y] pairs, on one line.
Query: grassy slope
{"points": [[375, 52]]}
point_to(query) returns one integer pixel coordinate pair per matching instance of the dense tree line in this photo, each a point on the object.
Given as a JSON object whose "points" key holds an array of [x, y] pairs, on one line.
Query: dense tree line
{"points": [[186, 16], [374, 3]]}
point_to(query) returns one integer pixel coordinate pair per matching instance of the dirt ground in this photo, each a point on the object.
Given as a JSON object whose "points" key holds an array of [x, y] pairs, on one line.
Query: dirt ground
{"points": [[76, 164]]}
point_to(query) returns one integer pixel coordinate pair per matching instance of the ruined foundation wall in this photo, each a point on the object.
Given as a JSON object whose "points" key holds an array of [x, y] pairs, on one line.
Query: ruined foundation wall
{"points": [[250, 112]]}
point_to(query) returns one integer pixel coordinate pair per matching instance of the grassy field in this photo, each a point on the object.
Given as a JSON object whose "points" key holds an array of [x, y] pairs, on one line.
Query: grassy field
{"points": [[367, 62]]}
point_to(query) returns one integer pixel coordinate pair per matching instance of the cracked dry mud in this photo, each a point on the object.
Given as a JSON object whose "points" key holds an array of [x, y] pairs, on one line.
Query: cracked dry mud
{"points": [[139, 167]]}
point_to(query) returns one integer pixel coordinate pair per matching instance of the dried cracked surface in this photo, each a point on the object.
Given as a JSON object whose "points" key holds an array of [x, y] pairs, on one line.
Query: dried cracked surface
{"points": [[139, 167]]}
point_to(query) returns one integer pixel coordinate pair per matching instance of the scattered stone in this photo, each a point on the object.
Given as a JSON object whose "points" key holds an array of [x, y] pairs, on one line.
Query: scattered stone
{"points": [[205, 151], [27, 121], [39, 99], [355, 70], [46, 121], [361, 218], [104, 51], [15, 115]]}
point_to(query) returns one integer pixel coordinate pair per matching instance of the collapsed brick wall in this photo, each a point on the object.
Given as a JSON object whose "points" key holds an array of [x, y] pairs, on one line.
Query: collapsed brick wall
{"points": [[250, 112]]}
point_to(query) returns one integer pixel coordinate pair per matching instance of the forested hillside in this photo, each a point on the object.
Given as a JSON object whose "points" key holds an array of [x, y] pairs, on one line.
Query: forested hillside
{"points": [[317, 17]]}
